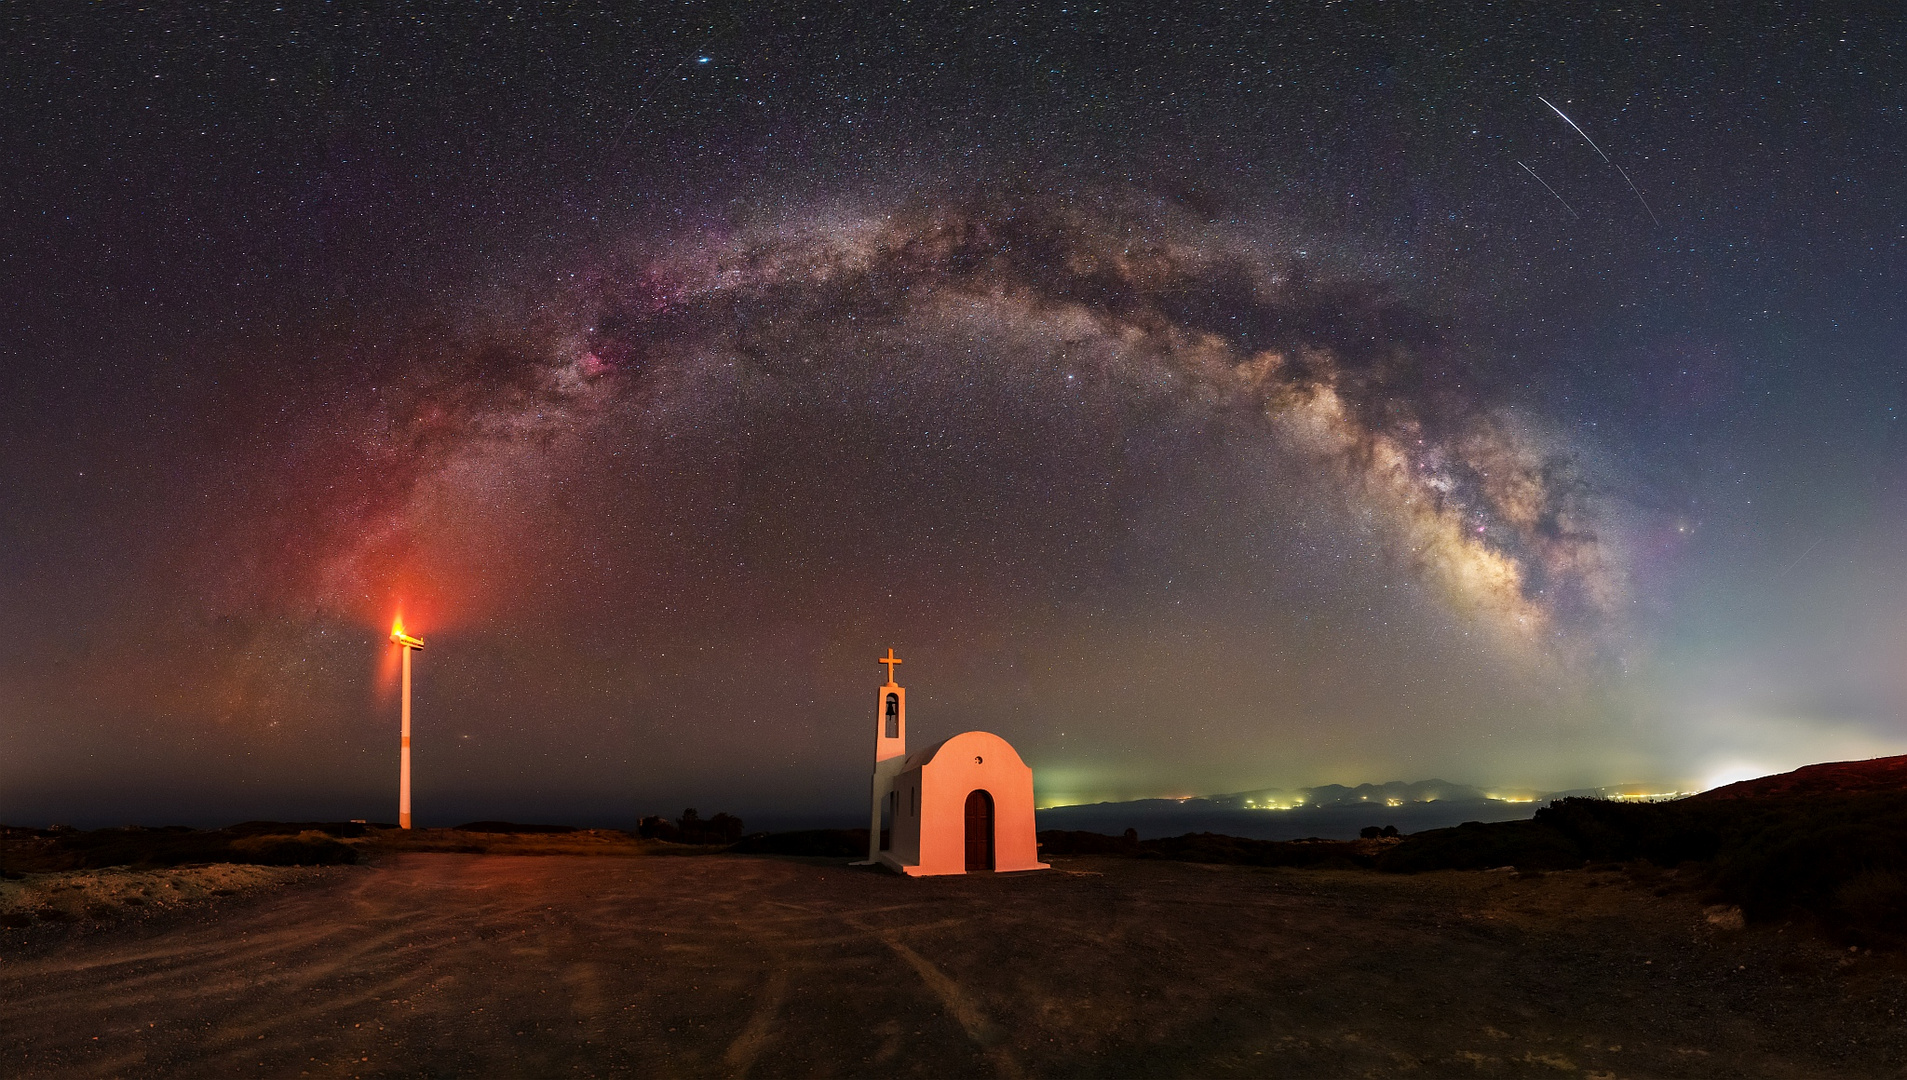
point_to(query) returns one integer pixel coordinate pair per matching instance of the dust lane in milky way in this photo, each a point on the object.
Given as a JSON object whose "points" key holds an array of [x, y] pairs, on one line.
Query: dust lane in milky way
{"points": [[1017, 302]]}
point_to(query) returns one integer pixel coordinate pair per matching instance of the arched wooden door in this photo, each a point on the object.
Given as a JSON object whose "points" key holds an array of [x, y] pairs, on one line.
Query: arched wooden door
{"points": [[979, 830]]}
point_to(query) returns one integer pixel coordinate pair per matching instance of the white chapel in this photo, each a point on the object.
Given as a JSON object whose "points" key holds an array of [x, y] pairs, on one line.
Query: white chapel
{"points": [[962, 805]]}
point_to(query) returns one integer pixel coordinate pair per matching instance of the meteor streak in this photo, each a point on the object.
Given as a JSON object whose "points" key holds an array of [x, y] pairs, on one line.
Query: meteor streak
{"points": [[1797, 561], [1600, 154]]}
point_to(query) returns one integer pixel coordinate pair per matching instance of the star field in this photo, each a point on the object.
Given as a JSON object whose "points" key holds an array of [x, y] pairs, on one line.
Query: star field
{"points": [[1206, 400]]}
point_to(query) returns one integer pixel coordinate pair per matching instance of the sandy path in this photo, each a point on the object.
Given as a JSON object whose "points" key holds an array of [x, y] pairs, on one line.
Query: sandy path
{"points": [[503, 965]]}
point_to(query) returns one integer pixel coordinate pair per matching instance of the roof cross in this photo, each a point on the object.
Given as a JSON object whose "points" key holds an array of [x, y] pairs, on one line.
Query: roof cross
{"points": [[890, 660]]}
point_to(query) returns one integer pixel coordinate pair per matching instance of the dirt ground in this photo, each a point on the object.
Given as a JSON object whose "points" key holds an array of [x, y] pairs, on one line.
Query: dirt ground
{"points": [[458, 964]]}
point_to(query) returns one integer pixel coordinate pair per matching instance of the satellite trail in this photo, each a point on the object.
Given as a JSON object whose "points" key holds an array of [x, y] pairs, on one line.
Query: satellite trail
{"points": [[1578, 127], [1600, 154], [1551, 190]]}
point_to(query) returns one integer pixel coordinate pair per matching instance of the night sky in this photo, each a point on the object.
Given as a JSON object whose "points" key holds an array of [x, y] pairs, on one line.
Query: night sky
{"points": [[1202, 398]]}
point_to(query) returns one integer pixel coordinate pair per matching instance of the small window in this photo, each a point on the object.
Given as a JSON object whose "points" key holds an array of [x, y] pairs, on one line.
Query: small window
{"points": [[913, 801], [893, 716]]}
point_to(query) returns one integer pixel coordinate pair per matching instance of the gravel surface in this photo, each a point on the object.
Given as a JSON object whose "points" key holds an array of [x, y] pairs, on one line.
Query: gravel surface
{"points": [[456, 964]]}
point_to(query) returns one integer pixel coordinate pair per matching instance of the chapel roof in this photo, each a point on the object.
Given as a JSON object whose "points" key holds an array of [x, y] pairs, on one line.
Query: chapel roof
{"points": [[921, 757]]}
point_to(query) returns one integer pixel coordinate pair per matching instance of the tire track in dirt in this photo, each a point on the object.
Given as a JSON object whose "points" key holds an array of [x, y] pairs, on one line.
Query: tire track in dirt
{"points": [[959, 1004], [741, 1054]]}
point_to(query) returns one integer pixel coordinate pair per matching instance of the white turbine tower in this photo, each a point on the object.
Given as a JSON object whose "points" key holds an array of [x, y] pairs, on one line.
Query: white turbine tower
{"points": [[409, 644]]}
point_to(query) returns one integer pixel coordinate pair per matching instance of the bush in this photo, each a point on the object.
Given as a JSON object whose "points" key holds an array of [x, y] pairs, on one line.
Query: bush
{"points": [[347, 829], [256, 843], [1071, 842], [1474, 845], [656, 827], [512, 828], [309, 848], [1206, 848], [690, 828]]}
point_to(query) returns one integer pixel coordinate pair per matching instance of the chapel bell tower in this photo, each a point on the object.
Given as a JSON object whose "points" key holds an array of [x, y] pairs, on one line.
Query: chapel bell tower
{"points": [[890, 735], [890, 753]]}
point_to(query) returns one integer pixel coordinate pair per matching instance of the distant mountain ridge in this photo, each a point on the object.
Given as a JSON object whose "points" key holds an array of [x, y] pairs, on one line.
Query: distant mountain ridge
{"points": [[1335, 811], [1329, 811], [1396, 792]]}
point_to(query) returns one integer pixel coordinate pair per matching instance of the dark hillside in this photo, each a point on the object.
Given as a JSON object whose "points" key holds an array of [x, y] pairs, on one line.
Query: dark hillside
{"points": [[1838, 858], [1828, 778]]}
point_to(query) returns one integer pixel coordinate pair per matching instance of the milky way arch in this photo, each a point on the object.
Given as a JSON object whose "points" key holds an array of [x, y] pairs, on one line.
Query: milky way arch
{"points": [[1352, 382]]}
